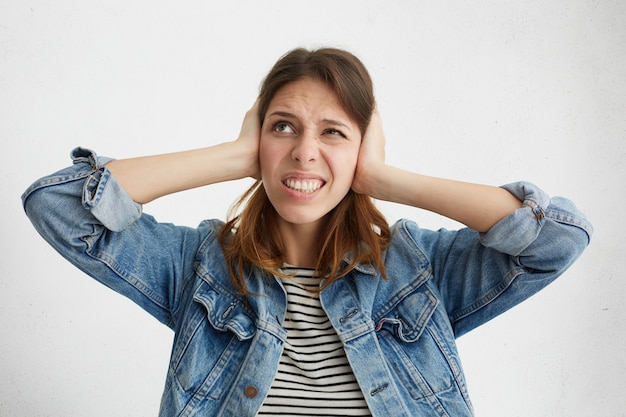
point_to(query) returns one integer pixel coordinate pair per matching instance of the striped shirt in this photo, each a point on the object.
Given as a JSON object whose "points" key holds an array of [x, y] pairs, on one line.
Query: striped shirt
{"points": [[314, 377]]}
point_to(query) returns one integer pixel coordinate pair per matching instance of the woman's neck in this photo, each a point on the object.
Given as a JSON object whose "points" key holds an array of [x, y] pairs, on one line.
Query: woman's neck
{"points": [[301, 243]]}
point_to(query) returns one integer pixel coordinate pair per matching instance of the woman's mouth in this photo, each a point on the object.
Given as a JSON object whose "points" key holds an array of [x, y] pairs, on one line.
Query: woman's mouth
{"points": [[303, 186]]}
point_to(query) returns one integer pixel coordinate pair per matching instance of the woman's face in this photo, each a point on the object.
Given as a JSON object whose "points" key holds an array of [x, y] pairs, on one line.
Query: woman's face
{"points": [[308, 151]]}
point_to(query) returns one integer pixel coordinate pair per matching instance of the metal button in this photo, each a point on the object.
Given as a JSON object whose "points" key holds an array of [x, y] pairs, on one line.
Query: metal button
{"points": [[251, 391]]}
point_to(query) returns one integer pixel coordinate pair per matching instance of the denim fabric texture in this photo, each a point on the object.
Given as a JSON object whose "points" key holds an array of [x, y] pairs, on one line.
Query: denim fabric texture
{"points": [[399, 334]]}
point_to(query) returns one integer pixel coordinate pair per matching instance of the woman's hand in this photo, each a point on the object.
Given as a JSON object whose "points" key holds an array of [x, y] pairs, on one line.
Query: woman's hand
{"points": [[371, 167], [248, 140]]}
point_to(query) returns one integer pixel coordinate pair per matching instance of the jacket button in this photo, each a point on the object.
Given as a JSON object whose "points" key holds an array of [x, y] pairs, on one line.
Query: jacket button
{"points": [[251, 391]]}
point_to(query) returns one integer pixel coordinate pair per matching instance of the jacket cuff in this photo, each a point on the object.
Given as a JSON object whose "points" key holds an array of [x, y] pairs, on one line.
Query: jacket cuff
{"points": [[103, 196], [519, 229]]}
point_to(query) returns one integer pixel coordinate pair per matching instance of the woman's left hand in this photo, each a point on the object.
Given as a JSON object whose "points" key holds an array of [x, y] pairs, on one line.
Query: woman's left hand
{"points": [[370, 168]]}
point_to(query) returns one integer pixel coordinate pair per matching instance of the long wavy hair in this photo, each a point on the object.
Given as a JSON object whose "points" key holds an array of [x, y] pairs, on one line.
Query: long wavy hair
{"points": [[355, 232]]}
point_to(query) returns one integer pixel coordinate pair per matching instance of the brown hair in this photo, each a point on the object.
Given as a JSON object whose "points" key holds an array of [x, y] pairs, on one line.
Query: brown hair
{"points": [[355, 227]]}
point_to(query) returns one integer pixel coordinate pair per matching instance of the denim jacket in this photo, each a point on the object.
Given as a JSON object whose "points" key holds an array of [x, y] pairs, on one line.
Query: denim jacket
{"points": [[398, 334]]}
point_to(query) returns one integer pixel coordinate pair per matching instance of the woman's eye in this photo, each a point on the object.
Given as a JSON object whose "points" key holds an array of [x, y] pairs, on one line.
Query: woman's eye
{"points": [[282, 127], [334, 132]]}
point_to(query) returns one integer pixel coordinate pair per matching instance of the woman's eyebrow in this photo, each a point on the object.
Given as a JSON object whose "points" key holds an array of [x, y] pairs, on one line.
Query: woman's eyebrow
{"points": [[283, 114], [335, 123]]}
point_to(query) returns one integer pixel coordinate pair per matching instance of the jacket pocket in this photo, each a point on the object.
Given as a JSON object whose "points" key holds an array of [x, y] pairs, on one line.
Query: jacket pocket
{"points": [[420, 348], [409, 317], [215, 336], [225, 313]]}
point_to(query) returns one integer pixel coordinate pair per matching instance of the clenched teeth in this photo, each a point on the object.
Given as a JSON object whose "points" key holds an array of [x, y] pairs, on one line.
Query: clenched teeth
{"points": [[305, 186]]}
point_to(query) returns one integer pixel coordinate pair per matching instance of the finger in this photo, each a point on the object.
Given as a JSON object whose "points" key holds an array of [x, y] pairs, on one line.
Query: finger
{"points": [[374, 137]]}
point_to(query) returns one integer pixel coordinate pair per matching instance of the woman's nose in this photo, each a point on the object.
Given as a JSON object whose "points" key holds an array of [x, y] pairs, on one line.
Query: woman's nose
{"points": [[306, 148]]}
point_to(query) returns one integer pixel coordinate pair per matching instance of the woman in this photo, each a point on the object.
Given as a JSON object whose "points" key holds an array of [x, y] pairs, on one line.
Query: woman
{"points": [[306, 302]]}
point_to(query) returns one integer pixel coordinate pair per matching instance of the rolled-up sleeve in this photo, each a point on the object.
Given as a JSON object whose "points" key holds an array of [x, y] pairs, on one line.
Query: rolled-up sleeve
{"points": [[107, 200], [522, 227], [101, 194], [84, 213]]}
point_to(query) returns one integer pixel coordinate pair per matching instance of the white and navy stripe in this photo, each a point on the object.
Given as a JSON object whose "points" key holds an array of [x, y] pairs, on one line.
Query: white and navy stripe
{"points": [[314, 377]]}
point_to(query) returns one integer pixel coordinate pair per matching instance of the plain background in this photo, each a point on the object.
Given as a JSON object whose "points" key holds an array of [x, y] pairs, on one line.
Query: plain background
{"points": [[483, 91]]}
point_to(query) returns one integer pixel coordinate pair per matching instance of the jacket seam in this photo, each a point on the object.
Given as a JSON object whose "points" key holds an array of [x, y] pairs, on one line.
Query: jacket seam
{"points": [[488, 297]]}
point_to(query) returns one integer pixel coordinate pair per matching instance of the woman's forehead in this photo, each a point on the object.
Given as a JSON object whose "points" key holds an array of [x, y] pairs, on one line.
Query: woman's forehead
{"points": [[308, 97]]}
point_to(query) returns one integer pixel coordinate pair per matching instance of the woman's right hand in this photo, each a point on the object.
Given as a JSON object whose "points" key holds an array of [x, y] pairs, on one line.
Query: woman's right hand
{"points": [[248, 140]]}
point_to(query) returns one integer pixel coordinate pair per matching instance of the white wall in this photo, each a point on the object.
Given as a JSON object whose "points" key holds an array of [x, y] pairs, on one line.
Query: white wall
{"points": [[487, 91]]}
